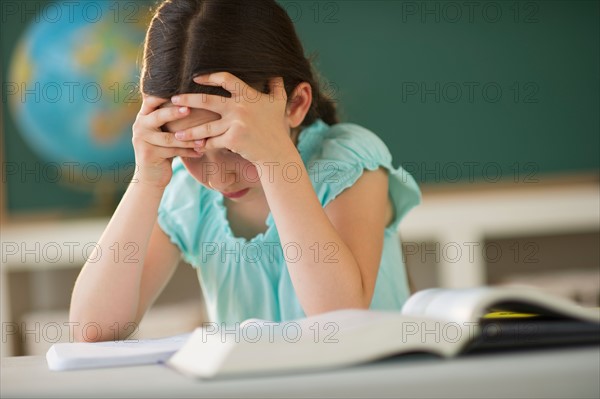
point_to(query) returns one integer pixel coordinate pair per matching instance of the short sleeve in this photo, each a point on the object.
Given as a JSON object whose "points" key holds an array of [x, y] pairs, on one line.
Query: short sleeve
{"points": [[346, 151], [179, 210]]}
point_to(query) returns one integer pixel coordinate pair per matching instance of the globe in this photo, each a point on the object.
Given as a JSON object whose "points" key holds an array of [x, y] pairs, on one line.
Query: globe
{"points": [[73, 82]]}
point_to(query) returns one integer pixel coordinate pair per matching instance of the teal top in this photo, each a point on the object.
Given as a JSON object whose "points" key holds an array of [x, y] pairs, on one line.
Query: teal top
{"points": [[242, 278]]}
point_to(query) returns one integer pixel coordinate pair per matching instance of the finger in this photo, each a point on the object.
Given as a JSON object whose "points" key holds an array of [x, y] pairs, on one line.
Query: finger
{"points": [[150, 103], [166, 152], [221, 141], [169, 140], [205, 130], [211, 102], [226, 80], [164, 115]]}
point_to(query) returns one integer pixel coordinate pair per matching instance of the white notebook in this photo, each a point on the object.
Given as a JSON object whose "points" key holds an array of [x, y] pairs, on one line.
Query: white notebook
{"points": [[81, 355]]}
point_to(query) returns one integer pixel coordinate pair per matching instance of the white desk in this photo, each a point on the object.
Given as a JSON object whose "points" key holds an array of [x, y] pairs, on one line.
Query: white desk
{"points": [[553, 373]]}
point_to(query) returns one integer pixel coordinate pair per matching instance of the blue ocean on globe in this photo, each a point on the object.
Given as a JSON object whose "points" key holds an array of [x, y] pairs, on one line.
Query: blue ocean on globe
{"points": [[75, 69]]}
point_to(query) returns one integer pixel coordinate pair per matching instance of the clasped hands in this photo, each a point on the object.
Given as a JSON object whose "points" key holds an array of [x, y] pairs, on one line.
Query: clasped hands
{"points": [[252, 123]]}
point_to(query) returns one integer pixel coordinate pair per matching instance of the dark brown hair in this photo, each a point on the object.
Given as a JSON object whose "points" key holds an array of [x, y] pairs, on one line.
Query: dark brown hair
{"points": [[254, 40]]}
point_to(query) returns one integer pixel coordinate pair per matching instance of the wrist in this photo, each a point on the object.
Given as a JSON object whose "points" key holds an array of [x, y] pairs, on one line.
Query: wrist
{"points": [[147, 184], [284, 166], [285, 152]]}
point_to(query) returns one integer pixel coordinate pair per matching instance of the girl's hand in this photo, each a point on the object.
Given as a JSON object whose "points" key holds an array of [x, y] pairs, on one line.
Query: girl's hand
{"points": [[155, 149], [252, 123]]}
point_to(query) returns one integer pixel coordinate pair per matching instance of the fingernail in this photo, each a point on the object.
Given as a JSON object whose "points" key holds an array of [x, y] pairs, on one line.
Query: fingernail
{"points": [[182, 110], [175, 99], [199, 143], [179, 135], [198, 149]]}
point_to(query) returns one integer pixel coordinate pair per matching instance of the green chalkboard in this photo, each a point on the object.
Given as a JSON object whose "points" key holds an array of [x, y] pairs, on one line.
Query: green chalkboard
{"points": [[459, 91], [469, 91]]}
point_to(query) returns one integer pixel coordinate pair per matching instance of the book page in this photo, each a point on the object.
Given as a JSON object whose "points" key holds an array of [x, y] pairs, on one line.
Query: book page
{"points": [[469, 305], [332, 339]]}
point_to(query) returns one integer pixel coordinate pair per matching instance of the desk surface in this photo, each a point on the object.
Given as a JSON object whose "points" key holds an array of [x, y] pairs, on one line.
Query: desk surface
{"points": [[552, 373]]}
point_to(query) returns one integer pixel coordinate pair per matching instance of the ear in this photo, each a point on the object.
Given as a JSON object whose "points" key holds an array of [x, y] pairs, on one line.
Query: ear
{"points": [[298, 104]]}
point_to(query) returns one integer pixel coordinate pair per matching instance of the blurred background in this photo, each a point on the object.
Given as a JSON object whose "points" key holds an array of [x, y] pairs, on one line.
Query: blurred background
{"points": [[493, 107]]}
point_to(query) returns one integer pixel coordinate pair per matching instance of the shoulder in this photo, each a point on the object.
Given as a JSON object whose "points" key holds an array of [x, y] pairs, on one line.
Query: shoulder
{"points": [[352, 142], [343, 152], [340, 155], [351, 132]]}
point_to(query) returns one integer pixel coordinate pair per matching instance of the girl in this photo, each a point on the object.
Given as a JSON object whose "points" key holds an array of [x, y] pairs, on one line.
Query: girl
{"points": [[244, 171]]}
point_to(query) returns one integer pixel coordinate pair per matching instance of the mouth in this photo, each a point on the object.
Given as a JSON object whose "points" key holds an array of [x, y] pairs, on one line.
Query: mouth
{"points": [[236, 194]]}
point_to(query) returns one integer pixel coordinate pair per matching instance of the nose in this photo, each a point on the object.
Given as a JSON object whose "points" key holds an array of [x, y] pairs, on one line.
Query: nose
{"points": [[220, 170], [222, 181]]}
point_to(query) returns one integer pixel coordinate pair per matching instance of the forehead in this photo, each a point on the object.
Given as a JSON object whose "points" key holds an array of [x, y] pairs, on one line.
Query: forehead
{"points": [[197, 116]]}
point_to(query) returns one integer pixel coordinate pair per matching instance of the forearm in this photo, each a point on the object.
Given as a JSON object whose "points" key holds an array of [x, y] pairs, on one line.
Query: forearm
{"points": [[108, 288], [324, 272]]}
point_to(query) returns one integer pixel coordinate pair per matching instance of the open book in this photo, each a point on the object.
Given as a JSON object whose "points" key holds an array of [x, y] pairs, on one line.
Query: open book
{"points": [[446, 322]]}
